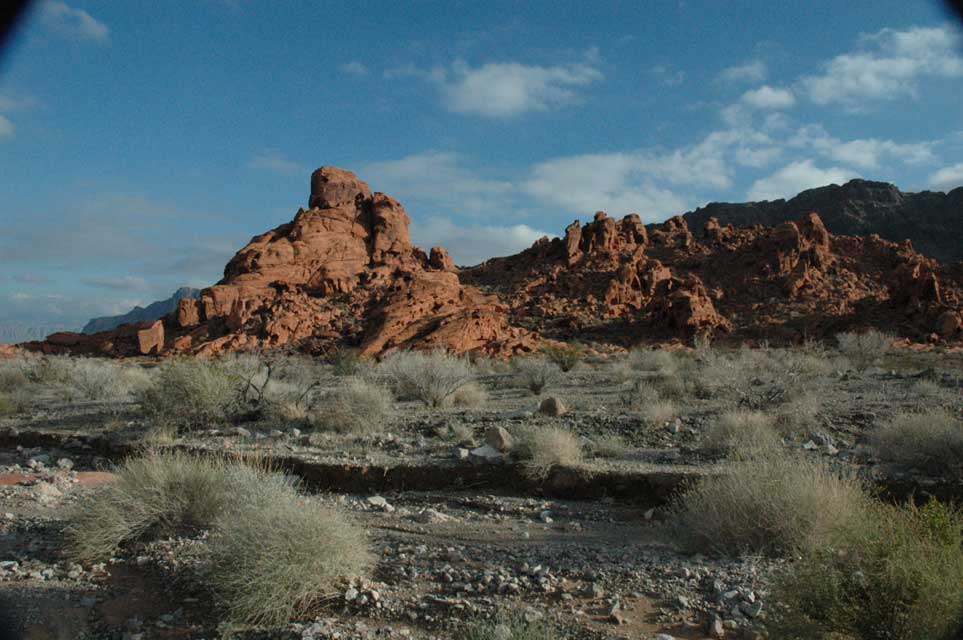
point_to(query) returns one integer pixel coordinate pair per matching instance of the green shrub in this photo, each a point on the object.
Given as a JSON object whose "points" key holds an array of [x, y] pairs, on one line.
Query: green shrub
{"points": [[275, 554], [6, 405], [771, 504], [898, 575], [536, 373], [191, 393], [930, 441], [354, 406], [741, 431], [154, 495], [565, 356], [431, 377], [345, 361]]}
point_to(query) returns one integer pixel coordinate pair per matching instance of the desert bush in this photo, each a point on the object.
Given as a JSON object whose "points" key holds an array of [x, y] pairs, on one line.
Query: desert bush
{"points": [[536, 373], [798, 414], [470, 395], [6, 405], [769, 504], [607, 445], [741, 432], [431, 377], [544, 446], [345, 361], [896, 576], [565, 356], [95, 379], [653, 361], [275, 554], [354, 406], [931, 441], [191, 393], [157, 494], [510, 628], [864, 349], [12, 374], [659, 411]]}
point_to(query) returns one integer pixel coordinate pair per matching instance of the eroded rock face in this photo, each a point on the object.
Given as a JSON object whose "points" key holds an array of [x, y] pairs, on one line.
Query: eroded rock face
{"points": [[344, 271]]}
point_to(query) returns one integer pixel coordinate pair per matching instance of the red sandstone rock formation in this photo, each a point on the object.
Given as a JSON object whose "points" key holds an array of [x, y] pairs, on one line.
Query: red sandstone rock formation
{"points": [[345, 271]]}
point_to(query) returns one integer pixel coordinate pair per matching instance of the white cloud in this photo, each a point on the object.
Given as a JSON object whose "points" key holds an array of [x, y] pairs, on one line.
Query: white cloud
{"points": [[669, 76], [274, 160], [866, 153], [757, 157], [795, 177], [127, 283], [440, 179], [6, 127], [886, 65], [947, 178], [766, 97], [74, 23], [754, 71], [499, 90], [354, 68], [473, 244]]}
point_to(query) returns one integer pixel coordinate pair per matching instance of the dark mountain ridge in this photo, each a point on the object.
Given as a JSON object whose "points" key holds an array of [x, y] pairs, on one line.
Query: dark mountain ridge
{"points": [[153, 311], [931, 220]]}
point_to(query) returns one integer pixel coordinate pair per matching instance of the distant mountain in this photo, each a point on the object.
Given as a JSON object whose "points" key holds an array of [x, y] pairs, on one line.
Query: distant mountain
{"points": [[14, 332], [933, 221], [153, 311]]}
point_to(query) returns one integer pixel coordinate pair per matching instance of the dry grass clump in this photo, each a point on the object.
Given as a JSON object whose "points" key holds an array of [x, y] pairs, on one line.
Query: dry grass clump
{"points": [[469, 396], [864, 349], [7, 405], [536, 373], [158, 494], [509, 628], [654, 361], [798, 414], [742, 432], [191, 393], [431, 377], [931, 441], [354, 406], [565, 356], [608, 445], [659, 411], [770, 504], [542, 447], [345, 361], [274, 553], [898, 575]]}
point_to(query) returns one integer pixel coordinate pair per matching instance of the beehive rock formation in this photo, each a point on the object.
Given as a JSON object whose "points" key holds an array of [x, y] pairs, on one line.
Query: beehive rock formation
{"points": [[344, 271]]}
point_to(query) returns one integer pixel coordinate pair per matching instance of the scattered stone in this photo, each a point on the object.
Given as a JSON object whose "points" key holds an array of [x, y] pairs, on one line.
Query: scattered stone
{"points": [[486, 454], [553, 407], [498, 438], [380, 503]]}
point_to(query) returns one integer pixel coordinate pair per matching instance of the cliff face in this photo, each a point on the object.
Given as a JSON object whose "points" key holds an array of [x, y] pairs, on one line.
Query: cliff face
{"points": [[153, 311], [344, 271], [932, 221]]}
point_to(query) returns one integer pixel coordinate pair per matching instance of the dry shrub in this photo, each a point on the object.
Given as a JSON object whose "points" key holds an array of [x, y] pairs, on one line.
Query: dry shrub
{"points": [[154, 495], [741, 432], [897, 575], [654, 361], [864, 349], [345, 361], [514, 627], [769, 504], [191, 393], [799, 414], [565, 356], [275, 554], [930, 441], [608, 445], [469, 396], [536, 373], [7, 405], [431, 377], [545, 446], [659, 411], [13, 373], [354, 406]]}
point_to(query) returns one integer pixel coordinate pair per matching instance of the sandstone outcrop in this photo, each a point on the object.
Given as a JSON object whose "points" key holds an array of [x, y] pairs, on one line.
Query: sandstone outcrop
{"points": [[344, 271]]}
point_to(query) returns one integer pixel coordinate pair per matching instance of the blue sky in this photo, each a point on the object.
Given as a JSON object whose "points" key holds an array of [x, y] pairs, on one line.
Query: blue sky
{"points": [[141, 144]]}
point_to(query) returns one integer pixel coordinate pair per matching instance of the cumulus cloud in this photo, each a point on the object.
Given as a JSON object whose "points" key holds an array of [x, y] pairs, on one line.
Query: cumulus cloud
{"points": [[753, 71], [669, 76], [795, 177], [865, 153], [354, 68], [440, 179], [72, 22], [6, 127], [886, 65], [947, 178], [766, 97], [273, 160], [473, 244], [506, 89]]}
